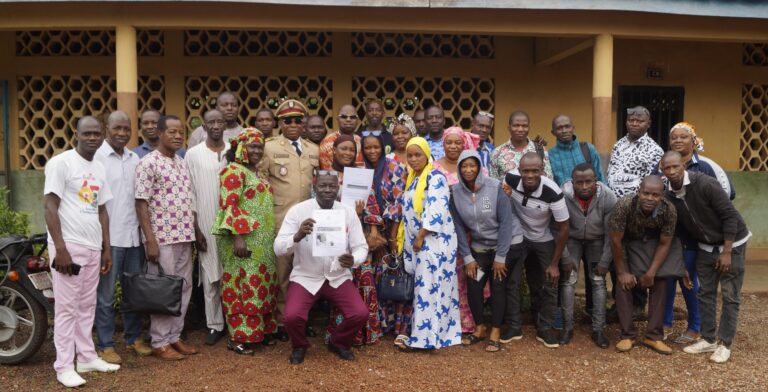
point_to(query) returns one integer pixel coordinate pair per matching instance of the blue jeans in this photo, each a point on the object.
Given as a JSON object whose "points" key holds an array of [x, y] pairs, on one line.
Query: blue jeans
{"points": [[691, 300], [123, 260], [590, 251]]}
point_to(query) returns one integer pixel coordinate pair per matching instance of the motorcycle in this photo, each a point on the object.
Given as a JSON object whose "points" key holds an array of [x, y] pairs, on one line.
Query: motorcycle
{"points": [[26, 297]]}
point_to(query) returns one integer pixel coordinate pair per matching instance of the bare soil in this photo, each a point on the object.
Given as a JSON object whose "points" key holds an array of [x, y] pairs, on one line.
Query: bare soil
{"points": [[520, 365]]}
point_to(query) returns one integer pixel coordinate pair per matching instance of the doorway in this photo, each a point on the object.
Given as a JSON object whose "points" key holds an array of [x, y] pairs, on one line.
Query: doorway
{"points": [[666, 105]]}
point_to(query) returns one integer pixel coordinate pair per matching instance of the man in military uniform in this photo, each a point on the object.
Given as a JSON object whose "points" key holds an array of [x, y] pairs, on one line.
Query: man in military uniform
{"points": [[289, 163]]}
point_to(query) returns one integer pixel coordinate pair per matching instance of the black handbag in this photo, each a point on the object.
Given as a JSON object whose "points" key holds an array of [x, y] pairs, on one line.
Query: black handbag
{"points": [[394, 284], [152, 293]]}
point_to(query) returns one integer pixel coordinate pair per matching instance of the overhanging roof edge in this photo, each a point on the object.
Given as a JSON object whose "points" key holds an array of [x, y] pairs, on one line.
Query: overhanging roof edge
{"points": [[723, 8]]}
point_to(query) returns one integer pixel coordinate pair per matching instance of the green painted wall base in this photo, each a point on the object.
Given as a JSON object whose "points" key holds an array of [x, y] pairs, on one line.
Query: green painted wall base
{"points": [[752, 203], [27, 196], [751, 200]]}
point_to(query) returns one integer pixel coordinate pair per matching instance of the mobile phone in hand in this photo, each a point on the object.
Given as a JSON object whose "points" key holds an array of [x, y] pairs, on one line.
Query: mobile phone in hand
{"points": [[75, 267]]}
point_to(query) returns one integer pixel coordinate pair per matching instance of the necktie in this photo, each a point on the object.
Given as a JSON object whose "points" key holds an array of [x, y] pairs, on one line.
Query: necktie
{"points": [[295, 144]]}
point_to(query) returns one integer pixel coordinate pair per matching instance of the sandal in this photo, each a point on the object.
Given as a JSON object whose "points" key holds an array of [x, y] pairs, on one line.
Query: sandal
{"points": [[493, 346], [400, 341], [685, 339], [470, 340], [239, 348]]}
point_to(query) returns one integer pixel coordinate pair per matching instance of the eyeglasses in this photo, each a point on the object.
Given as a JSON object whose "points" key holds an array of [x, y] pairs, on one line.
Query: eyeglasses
{"points": [[292, 120], [327, 173], [638, 111], [367, 133], [486, 114], [348, 117]]}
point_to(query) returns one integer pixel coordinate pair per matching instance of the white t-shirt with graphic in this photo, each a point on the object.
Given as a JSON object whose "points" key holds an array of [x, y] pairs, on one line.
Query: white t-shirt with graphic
{"points": [[82, 187]]}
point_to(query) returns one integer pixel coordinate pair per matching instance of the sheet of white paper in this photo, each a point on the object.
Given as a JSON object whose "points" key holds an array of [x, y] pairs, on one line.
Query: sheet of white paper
{"points": [[329, 235], [356, 185]]}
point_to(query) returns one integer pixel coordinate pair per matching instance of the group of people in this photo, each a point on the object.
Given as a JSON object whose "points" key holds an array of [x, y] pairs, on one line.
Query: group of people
{"points": [[463, 217]]}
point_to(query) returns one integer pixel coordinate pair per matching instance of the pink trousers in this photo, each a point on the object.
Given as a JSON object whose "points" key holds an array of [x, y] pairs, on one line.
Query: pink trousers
{"points": [[176, 259], [75, 308]]}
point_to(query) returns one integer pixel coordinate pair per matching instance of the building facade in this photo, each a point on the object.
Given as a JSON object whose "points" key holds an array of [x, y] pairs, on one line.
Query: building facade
{"points": [[63, 60]]}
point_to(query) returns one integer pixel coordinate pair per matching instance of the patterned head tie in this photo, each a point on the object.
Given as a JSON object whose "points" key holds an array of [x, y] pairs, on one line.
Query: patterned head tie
{"points": [[404, 120], [238, 143], [471, 141], [698, 143]]}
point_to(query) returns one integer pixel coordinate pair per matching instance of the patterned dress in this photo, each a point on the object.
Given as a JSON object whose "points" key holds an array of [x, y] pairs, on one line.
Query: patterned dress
{"points": [[395, 316], [249, 286], [435, 321], [326, 151]]}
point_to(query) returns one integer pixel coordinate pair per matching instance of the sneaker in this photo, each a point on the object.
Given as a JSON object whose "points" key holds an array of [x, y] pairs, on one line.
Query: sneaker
{"points": [[140, 348], [547, 338], [70, 379], [702, 346], [110, 355], [721, 355], [213, 337], [624, 345], [97, 365], [511, 334], [658, 346]]}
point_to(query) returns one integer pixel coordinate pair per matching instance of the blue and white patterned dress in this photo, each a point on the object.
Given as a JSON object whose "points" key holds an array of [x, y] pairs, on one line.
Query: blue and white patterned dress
{"points": [[435, 321]]}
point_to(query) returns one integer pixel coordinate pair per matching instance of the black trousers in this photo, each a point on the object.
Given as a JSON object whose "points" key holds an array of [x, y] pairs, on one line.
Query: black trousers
{"points": [[475, 288], [535, 256]]}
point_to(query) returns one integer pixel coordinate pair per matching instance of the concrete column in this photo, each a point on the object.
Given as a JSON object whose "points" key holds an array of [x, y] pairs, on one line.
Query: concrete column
{"points": [[127, 77], [342, 74], [602, 95]]}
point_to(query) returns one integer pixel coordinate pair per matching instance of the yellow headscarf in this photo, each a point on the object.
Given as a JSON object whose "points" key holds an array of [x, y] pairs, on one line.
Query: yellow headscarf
{"points": [[421, 186]]}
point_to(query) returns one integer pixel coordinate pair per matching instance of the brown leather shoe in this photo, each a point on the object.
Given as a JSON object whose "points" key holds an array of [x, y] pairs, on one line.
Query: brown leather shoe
{"points": [[184, 348], [167, 353]]}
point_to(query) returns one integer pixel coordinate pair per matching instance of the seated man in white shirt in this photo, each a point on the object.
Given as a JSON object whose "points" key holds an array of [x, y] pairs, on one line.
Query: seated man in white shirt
{"points": [[314, 278]]}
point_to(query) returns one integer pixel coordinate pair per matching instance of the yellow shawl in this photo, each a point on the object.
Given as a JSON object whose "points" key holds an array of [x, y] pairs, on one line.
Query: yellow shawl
{"points": [[421, 186]]}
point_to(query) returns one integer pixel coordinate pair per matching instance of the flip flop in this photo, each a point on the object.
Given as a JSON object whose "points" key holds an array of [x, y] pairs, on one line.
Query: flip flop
{"points": [[470, 340], [493, 346]]}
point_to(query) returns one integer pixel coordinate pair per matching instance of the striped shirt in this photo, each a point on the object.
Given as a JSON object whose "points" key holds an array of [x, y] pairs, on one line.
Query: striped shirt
{"points": [[204, 168], [537, 208]]}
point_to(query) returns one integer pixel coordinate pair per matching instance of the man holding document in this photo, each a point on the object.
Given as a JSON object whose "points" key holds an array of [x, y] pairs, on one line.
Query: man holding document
{"points": [[322, 259]]}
